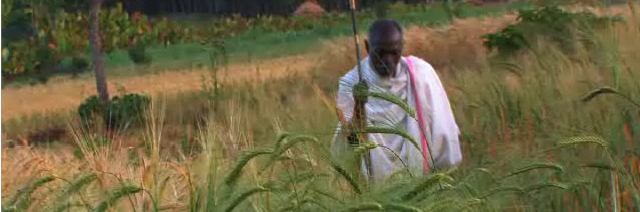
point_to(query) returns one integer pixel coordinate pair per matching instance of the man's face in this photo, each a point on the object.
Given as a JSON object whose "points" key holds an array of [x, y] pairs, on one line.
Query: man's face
{"points": [[385, 50]]}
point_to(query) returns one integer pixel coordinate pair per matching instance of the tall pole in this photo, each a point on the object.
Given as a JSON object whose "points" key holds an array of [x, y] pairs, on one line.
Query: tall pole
{"points": [[356, 38], [360, 96], [96, 52]]}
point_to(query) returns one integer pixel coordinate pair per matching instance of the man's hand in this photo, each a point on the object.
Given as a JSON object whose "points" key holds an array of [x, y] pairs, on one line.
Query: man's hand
{"points": [[359, 93], [350, 133]]}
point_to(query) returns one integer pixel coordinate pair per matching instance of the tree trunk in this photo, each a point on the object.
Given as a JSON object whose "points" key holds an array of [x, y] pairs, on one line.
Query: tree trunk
{"points": [[96, 53]]}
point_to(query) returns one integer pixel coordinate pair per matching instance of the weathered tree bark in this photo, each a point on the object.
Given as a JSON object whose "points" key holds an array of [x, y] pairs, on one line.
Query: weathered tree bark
{"points": [[96, 52]]}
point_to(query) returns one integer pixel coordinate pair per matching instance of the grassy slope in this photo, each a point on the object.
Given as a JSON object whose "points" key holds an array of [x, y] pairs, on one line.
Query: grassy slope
{"points": [[257, 44], [251, 45]]}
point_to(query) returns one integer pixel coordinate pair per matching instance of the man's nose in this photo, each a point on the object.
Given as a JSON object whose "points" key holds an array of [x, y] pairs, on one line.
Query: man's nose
{"points": [[389, 64], [388, 60]]}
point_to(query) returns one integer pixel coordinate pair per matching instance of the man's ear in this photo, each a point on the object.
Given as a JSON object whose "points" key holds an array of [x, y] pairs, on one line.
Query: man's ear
{"points": [[366, 45]]}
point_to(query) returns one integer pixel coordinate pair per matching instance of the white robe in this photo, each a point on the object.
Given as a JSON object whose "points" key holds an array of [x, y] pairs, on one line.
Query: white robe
{"points": [[441, 135]]}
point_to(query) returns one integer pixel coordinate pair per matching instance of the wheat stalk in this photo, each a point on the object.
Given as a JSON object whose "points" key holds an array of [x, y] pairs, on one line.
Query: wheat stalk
{"points": [[115, 195], [426, 184], [607, 90], [365, 207], [244, 195], [400, 207], [584, 139], [396, 131], [232, 178], [73, 188], [22, 200], [544, 185], [395, 100], [352, 182], [535, 166], [65, 207]]}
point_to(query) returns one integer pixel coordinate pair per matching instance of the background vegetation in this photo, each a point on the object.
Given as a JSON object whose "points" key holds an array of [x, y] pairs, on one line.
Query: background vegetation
{"points": [[56, 40], [543, 129]]}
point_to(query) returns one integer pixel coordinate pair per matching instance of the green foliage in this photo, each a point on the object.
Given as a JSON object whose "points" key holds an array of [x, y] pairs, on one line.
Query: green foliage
{"points": [[508, 41], [139, 55], [115, 195], [79, 64], [453, 9], [381, 8], [23, 199], [549, 22], [88, 110], [61, 35], [120, 111], [74, 187], [66, 33]]}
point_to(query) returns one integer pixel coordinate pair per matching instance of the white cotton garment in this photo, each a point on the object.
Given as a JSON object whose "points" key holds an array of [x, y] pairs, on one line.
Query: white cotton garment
{"points": [[441, 134]]}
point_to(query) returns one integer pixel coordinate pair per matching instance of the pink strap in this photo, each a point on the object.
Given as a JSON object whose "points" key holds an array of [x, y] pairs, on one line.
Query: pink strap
{"points": [[425, 148]]}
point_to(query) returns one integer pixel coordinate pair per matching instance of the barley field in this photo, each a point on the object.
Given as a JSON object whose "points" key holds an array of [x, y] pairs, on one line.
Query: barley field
{"points": [[542, 130]]}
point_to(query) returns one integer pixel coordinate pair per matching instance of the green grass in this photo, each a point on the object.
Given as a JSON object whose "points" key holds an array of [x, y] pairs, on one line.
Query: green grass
{"points": [[257, 44]]}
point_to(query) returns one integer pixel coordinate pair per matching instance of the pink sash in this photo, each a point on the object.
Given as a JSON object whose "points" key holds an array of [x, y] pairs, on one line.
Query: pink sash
{"points": [[425, 144]]}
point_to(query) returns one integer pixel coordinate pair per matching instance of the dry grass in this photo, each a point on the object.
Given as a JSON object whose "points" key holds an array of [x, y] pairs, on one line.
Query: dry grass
{"points": [[524, 115], [454, 46], [68, 94]]}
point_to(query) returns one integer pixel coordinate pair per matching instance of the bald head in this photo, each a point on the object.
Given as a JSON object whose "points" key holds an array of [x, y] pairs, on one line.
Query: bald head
{"points": [[384, 29], [385, 46]]}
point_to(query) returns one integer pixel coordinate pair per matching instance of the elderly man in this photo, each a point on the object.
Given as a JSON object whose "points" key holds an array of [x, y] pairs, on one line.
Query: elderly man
{"points": [[412, 79]]}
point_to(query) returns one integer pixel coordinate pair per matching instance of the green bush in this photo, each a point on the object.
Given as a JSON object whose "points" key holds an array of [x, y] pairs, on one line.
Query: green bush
{"points": [[79, 64], [88, 110], [381, 8], [508, 41], [119, 112], [138, 54], [64, 35], [549, 22]]}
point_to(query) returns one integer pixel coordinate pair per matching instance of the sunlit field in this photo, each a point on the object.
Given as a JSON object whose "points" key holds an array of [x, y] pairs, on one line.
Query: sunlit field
{"points": [[545, 128]]}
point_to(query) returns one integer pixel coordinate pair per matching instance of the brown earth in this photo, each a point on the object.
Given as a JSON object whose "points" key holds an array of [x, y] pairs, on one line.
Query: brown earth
{"points": [[309, 8]]}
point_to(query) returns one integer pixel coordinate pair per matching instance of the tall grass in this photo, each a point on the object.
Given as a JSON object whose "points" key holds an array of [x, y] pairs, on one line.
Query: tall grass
{"points": [[540, 131]]}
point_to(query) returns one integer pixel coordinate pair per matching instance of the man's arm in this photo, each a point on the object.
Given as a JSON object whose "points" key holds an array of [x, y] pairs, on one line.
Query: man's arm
{"points": [[445, 132], [344, 136], [448, 129]]}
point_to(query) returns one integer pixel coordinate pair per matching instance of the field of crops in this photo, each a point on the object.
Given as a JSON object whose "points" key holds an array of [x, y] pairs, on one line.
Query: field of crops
{"points": [[550, 124]]}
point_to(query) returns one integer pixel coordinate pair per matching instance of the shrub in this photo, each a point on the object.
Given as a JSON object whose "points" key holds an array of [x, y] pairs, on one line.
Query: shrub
{"points": [[381, 8], [549, 22], [118, 112], [79, 64], [63, 35], [508, 41], [138, 54]]}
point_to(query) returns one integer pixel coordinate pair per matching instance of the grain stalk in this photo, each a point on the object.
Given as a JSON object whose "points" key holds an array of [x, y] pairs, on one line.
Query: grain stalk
{"points": [[115, 195], [608, 90], [22, 200], [232, 178], [74, 188]]}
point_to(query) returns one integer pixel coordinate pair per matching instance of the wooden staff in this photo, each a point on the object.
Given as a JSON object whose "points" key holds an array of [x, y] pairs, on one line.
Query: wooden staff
{"points": [[359, 92]]}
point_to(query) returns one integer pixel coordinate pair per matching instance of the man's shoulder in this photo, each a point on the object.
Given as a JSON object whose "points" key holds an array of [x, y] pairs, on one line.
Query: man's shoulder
{"points": [[424, 69], [419, 62], [349, 78]]}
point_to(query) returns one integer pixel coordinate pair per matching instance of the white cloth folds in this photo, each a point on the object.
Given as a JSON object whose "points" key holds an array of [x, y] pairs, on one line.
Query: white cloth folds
{"points": [[441, 130]]}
